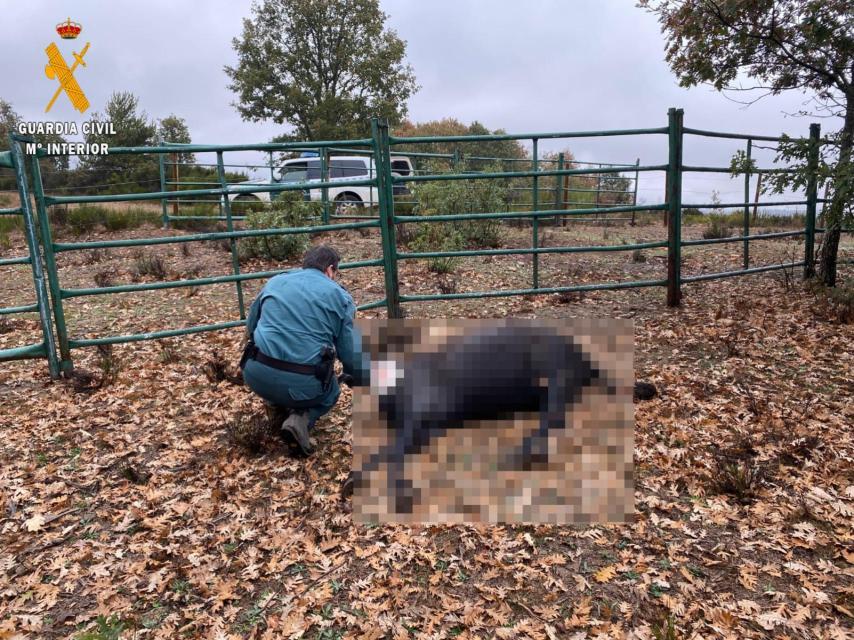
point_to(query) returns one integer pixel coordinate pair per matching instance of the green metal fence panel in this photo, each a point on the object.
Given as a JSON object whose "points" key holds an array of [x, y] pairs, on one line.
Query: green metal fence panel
{"points": [[50, 266], [232, 241], [47, 348], [382, 158], [380, 148], [746, 221], [535, 222], [164, 207]]}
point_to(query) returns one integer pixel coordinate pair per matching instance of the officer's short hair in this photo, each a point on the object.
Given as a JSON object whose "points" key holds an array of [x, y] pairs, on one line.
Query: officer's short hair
{"points": [[321, 258]]}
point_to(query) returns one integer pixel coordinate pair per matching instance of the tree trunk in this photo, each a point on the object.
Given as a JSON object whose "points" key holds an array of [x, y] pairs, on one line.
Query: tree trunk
{"points": [[842, 188]]}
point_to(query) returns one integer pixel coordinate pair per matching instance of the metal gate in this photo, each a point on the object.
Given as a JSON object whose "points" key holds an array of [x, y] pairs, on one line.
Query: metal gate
{"points": [[14, 160]]}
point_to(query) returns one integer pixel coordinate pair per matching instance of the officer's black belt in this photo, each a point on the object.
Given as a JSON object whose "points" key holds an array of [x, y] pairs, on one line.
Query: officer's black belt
{"points": [[254, 353]]}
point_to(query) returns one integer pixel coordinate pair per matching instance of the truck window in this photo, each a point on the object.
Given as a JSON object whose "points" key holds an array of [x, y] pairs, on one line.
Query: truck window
{"points": [[293, 172], [313, 167], [347, 169], [400, 167]]}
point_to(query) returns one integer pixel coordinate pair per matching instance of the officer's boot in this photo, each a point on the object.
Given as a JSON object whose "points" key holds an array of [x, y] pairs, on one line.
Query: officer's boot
{"points": [[295, 432]]}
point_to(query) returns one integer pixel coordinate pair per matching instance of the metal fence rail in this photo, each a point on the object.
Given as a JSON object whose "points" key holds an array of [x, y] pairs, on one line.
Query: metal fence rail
{"points": [[14, 159], [546, 202]]}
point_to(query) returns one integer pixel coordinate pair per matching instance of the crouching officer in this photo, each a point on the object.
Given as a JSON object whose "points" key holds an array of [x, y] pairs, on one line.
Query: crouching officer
{"points": [[300, 321]]}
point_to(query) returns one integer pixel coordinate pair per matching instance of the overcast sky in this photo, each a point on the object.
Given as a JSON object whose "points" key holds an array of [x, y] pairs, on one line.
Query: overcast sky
{"points": [[537, 66]]}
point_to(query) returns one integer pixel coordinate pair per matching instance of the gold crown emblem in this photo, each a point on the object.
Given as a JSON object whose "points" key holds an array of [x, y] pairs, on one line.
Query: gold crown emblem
{"points": [[68, 30]]}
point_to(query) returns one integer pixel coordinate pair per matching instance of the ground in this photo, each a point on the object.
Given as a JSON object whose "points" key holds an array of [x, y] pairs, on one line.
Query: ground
{"points": [[153, 506]]}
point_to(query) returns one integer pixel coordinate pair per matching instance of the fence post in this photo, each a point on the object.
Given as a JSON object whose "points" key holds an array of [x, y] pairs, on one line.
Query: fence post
{"points": [[324, 177], [382, 154], [558, 184], [747, 205], [812, 198], [674, 201], [65, 364], [535, 226], [235, 260], [635, 194], [175, 206], [164, 209], [35, 257]]}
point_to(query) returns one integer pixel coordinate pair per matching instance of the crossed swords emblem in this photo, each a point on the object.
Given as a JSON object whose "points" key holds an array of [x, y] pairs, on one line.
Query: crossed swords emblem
{"points": [[57, 68]]}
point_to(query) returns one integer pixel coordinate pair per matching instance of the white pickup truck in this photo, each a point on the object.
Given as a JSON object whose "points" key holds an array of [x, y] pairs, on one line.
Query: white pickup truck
{"points": [[346, 198]]}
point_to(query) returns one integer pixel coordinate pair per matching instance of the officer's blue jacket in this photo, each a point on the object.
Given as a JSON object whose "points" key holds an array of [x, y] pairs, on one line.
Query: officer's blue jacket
{"points": [[294, 316]]}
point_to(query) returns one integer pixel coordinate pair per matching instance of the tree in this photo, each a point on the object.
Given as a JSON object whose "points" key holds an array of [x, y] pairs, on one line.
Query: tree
{"points": [[51, 166], [175, 129], [322, 67], [781, 45], [133, 128], [510, 149]]}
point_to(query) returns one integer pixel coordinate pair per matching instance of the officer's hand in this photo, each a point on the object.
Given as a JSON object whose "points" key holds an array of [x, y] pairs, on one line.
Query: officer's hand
{"points": [[346, 378]]}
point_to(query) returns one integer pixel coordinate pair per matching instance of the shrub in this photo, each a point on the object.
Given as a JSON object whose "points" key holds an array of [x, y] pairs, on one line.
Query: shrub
{"points": [[198, 217], [168, 352], [109, 365], [149, 264], [216, 369], [248, 432], [291, 211], [464, 196], [93, 256], [439, 237], [104, 278], [10, 223], [244, 205], [130, 219], [85, 218], [717, 227], [835, 304]]}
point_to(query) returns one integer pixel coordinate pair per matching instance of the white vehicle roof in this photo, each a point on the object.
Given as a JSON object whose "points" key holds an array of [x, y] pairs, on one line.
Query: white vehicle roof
{"points": [[295, 160]]}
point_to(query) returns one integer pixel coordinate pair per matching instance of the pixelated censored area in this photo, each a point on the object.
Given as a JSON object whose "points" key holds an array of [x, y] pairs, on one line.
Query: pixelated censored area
{"points": [[495, 421]]}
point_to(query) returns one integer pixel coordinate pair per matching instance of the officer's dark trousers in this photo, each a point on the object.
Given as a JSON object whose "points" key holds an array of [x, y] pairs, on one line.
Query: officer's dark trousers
{"points": [[291, 390]]}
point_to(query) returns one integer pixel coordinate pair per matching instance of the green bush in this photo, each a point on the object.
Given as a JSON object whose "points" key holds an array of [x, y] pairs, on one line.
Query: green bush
{"points": [[457, 197], [130, 219], [205, 218], [10, 223], [736, 219], [464, 196], [717, 227], [244, 205], [85, 218], [439, 237], [290, 211]]}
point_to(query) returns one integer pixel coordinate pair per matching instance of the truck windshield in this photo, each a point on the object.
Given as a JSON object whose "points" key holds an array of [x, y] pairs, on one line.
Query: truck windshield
{"points": [[294, 172]]}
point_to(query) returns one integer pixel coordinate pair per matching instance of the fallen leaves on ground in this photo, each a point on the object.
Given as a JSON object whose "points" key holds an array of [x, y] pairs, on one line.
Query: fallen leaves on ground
{"points": [[131, 506]]}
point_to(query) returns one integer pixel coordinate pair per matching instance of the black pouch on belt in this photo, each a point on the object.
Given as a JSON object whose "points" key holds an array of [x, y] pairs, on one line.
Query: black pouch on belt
{"points": [[325, 369]]}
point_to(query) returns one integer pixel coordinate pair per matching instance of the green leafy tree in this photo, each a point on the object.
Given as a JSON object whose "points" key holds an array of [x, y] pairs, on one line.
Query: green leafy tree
{"points": [[133, 127], [510, 149], [322, 67], [780, 45], [175, 129], [53, 168]]}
